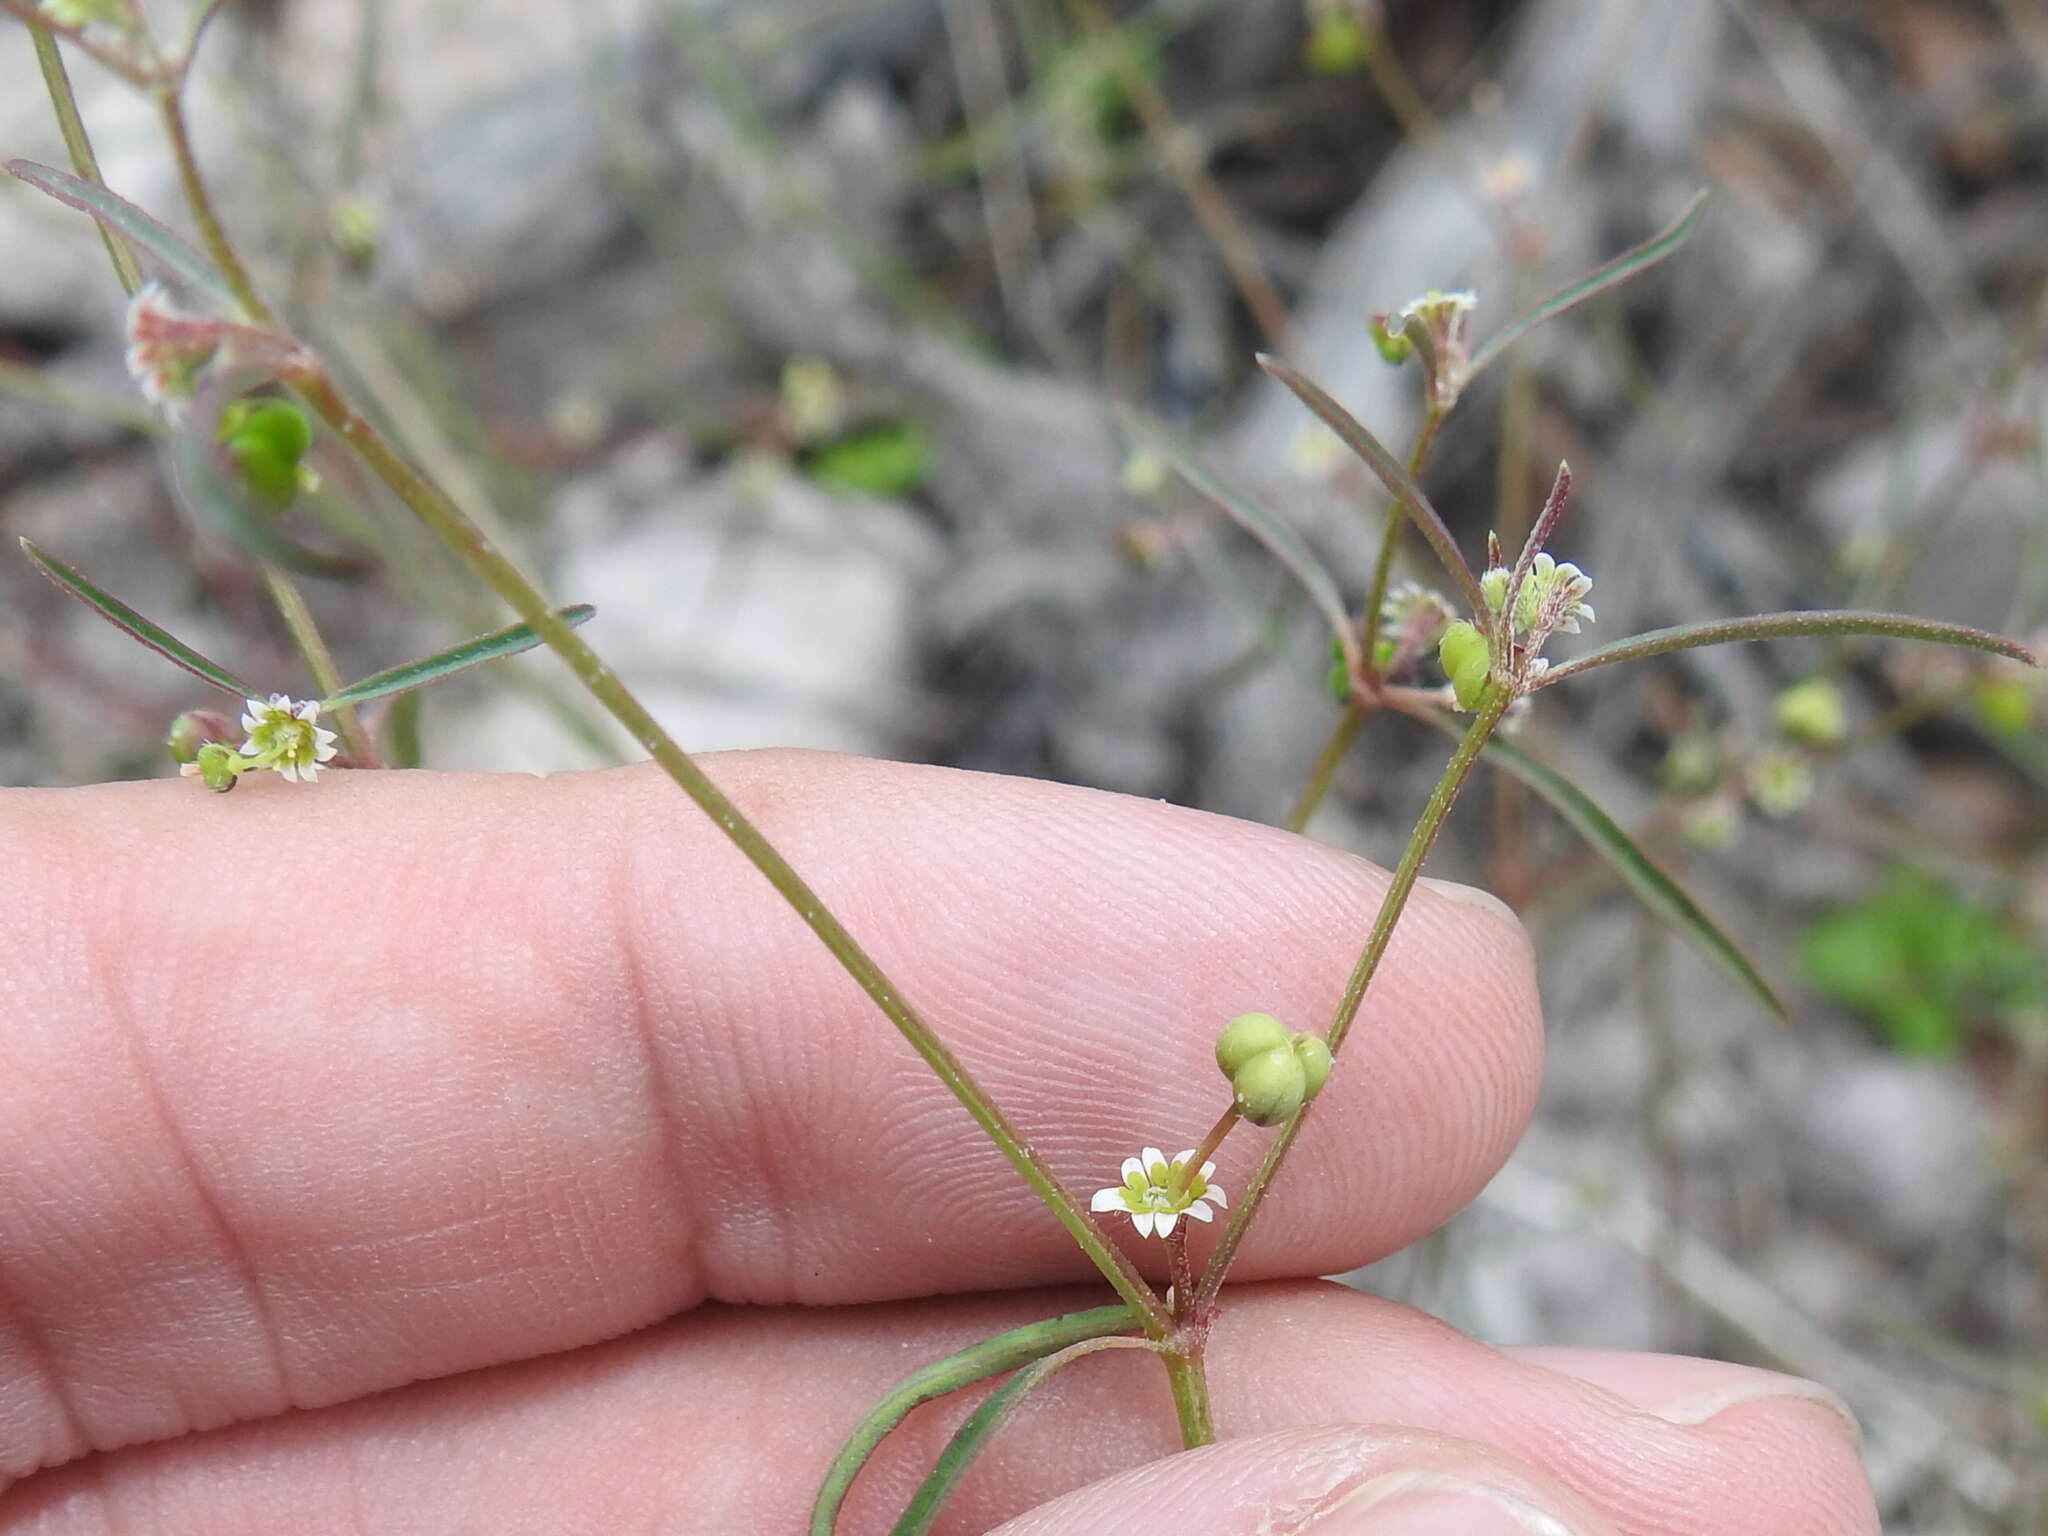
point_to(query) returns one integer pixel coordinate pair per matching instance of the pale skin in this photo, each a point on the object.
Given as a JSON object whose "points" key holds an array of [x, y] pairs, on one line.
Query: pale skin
{"points": [[434, 1153]]}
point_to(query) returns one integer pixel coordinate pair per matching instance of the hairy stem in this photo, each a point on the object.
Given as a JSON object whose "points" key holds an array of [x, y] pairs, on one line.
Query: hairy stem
{"points": [[455, 529], [1324, 773], [1390, 538], [171, 107], [1420, 841], [1188, 1379]]}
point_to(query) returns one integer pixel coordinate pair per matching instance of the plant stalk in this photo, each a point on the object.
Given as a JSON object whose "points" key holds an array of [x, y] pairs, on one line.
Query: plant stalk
{"points": [[78, 144], [1420, 841], [455, 529]]}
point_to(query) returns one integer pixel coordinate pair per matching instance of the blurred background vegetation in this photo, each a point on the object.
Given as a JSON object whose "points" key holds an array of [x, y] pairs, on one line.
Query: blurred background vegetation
{"points": [[788, 333]]}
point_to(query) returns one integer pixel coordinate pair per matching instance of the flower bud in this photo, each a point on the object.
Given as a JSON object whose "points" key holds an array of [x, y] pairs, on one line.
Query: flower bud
{"points": [[1812, 712], [1390, 338], [218, 766], [193, 730], [265, 439], [1271, 1086], [1246, 1036]]}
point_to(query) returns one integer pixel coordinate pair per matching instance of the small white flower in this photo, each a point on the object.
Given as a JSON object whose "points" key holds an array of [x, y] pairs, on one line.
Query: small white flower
{"points": [[282, 736], [1156, 1192]]}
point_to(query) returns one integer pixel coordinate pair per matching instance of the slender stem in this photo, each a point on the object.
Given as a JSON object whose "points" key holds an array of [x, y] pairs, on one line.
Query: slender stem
{"points": [[298, 622], [1420, 841], [211, 235], [31, 15], [463, 536], [1390, 539], [57, 80], [1345, 731], [1189, 1380], [1324, 773]]}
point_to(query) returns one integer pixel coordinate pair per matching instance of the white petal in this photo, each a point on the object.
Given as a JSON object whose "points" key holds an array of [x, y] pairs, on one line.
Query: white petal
{"points": [[1143, 1220], [1185, 1157], [1108, 1199], [1200, 1211], [1151, 1156], [254, 706], [1132, 1167], [309, 771], [1208, 1170], [281, 702], [248, 747], [1166, 1221], [1214, 1193], [308, 711], [287, 772]]}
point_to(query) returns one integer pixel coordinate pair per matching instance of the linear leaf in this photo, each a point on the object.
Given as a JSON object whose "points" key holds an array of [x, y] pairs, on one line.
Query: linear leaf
{"points": [[972, 1437], [977, 1362], [1599, 280], [1400, 484], [128, 621], [471, 653], [1649, 884], [1281, 541], [152, 243], [1828, 623]]}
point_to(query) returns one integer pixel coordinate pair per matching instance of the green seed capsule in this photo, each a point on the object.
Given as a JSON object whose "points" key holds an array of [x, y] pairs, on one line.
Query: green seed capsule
{"points": [[278, 423], [1246, 1036], [1466, 662], [269, 476], [1270, 1086], [1314, 1056]]}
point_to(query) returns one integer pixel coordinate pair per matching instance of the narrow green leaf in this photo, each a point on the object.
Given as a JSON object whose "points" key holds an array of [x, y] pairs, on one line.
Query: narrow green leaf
{"points": [[1827, 623], [153, 244], [128, 621], [1599, 280], [1281, 541], [972, 1437], [1400, 484], [471, 653], [1650, 885], [977, 1362]]}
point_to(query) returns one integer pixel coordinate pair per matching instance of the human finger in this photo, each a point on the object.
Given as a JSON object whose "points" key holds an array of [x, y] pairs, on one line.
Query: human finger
{"points": [[315, 1091], [724, 1422]]}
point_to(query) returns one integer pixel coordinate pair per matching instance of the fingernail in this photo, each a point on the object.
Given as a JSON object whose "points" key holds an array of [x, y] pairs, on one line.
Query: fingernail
{"points": [[1698, 1407], [1471, 896], [1421, 1503]]}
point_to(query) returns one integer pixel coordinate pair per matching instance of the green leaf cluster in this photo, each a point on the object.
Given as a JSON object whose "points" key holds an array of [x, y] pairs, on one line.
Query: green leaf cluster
{"points": [[1924, 963], [887, 460]]}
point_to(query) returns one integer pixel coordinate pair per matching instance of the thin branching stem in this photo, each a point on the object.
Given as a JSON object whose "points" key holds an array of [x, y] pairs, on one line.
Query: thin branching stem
{"points": [[455, 529], [171, 106], [1390, 538], [1420, 841]]}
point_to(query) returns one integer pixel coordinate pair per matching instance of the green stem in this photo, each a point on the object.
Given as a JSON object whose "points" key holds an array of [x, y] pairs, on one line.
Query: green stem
{"points": [[298, 621], [1420, 841], [1189, 1381], [1390, 538], [1345, 731], [1320, 777], [211, 235], [57, 80], [463, 536]]}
